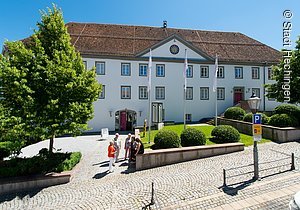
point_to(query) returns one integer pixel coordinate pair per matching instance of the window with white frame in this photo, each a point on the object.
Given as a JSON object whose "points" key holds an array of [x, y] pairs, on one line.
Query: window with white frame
{"points": [[100, 68], [160, 70], [238, 72], [102, 93], [189, 71], [256, 91], [220, 73], [220, 93], [85, 64], [125, 69], [188, 117], [125, 92], [255, 72], [189, 93], [270, 74], [160, 93], [143, 70], [204, 93], [204, 71], [143, 92]]}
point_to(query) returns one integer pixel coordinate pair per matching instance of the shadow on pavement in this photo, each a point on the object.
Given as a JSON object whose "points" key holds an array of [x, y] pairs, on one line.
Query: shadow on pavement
{"points": [[101, 175], [130, 167], [100, 163], [20, 195], [234, 190]]}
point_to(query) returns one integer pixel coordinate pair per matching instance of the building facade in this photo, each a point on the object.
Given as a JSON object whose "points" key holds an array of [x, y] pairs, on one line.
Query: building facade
{"points": [[120, 57]]}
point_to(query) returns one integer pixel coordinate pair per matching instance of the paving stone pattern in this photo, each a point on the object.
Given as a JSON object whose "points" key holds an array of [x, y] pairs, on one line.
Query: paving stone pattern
{"points": [[190, 185]]}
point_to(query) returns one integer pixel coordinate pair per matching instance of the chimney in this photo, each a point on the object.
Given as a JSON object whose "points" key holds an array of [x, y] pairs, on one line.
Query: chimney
{"points": [[165, 24]]}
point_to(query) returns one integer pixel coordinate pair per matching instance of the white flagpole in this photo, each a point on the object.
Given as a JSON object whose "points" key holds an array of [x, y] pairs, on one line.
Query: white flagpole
{"points": [[184, 87], [149, 94], [215, 89]]}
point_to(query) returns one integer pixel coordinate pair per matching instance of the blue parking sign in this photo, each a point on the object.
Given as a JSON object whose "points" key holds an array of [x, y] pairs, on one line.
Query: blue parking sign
{"points": [[257, 119]]}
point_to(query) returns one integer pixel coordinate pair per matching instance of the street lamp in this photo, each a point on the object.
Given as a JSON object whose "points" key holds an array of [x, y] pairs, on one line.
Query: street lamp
{"points": [[254, 103]]}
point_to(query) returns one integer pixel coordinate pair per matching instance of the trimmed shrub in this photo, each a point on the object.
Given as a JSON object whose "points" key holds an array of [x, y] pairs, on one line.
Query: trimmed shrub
{"points": [[248, 118], [42, 163], [289, 109], [166, 139], [192, 137], [235, 113], [283, 120], [225, 134]]}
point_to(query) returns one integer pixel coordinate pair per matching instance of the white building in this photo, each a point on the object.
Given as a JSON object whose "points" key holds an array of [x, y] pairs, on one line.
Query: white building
{"points": [[120, 54]]}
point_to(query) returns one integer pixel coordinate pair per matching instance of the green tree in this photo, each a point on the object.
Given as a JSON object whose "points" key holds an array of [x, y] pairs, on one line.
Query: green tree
{"points": [[287, 76], [45, 82]]}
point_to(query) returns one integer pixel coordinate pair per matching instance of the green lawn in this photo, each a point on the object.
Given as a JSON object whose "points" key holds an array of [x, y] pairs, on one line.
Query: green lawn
{"points": [[246, 139]]}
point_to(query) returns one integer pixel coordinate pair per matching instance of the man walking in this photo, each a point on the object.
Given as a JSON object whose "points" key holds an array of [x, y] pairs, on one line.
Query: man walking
{"points": [[117, 145]]}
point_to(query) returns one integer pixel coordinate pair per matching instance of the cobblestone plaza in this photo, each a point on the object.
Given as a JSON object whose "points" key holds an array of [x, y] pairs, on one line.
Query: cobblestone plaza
{"points": [[190, 185]]}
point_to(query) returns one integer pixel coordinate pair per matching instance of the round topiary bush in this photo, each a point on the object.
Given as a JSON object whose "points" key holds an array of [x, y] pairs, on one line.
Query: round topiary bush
{"points": [[283, 120], [225, 134], [235, 113], [248, 118], [166, 139], [192, 137]]}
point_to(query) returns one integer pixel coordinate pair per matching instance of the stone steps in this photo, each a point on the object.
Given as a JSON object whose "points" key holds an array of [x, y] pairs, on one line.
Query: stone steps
{"points": [[259, 195]]}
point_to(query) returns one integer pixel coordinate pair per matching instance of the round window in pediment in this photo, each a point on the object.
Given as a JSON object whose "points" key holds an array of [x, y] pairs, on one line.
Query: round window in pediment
{"points": [[174, 49]]}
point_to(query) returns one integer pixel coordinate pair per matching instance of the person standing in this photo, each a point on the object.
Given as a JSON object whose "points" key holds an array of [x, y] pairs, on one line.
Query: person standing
{"points": [[127, 146], [111, 156], [117, 145], [139, 146]]}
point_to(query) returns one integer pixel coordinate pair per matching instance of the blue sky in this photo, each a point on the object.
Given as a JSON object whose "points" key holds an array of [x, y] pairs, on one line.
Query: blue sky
{"points": [[259, 19]]}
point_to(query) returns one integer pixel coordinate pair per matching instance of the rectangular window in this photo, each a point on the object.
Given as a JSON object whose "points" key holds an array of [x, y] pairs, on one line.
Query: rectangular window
{"points": [[256, 91], [143, 70], [125, 92], [160, 70], [238, 72], [189, 93], [188, 117], [100, 68], [270, 74], [102, 93], [220, 73], [143, 92], [85, 64], [160, 93], [125, 69], [204, 93], [189, 72], [255, 73], [204, 71], [221, 93]]}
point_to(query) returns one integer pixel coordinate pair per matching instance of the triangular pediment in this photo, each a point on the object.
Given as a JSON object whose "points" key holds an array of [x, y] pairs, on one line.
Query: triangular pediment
{"points": [[174, 47]]}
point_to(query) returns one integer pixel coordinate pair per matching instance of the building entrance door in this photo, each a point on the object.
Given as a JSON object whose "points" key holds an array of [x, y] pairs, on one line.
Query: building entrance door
{"points": [[238, 95], [125, 120]]}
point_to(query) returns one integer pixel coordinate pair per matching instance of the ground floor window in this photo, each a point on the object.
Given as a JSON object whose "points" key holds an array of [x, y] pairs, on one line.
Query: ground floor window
{"points": [[221, 93], [188, 117]]}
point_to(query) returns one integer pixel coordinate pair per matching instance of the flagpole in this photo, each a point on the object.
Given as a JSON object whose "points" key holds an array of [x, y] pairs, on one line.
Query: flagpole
{"points": [[184, 90], [149, 96], [216, 90]]}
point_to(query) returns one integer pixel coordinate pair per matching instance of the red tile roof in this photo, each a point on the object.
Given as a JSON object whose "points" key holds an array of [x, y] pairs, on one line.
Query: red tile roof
{"points": [[128, 41]]}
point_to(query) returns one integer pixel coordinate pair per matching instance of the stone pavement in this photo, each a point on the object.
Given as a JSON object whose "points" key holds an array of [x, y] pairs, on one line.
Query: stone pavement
{"points": [[190, 185]]}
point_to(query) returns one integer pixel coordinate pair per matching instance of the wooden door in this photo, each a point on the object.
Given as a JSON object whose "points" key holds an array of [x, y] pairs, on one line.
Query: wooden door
{"points": [[238, 96], [123, 120]]}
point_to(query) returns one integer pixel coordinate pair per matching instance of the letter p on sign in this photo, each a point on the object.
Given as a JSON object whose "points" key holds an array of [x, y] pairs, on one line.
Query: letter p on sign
{"points": [[256, 119]]}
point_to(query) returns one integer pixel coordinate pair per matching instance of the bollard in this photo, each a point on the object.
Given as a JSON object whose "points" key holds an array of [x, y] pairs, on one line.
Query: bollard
{"points": [[224, 178], [293, 162], [152, 195]]}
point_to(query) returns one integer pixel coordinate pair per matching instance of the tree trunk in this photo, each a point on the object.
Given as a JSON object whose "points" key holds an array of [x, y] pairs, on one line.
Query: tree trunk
{"points": [[51, 144]]}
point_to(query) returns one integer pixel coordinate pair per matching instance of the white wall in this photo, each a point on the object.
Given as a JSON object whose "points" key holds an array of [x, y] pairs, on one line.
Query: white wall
{"points": [[173, 82]]}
